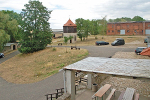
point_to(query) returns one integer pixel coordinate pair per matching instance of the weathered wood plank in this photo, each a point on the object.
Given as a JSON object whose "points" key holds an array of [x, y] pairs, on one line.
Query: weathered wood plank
{"points": [[128, 95], [136, 96], [101, 92], [121, 95], [111, 94]]}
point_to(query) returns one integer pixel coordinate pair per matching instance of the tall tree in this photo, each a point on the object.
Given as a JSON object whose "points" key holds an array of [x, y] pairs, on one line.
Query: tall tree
{"points": [[13, 16], [94, 27], [4, 37], [14, 19], [83, 27], [80, 28], [137, 18], [36, 32], [66, 39]]}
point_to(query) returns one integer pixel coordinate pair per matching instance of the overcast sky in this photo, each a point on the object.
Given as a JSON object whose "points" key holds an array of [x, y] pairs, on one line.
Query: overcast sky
{"points": [[86, 9]]}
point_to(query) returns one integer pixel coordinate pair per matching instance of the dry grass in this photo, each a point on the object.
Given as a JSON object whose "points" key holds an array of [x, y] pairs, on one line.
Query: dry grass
{"points": [[33, 67], [91, 40], [129, 55]]}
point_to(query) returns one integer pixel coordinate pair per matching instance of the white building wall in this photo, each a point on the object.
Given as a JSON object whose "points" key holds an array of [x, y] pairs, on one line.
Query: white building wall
{"points": [[74, 39]]}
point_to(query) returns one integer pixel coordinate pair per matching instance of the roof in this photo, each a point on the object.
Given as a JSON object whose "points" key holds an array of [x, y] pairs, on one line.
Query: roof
{"points": [[9, 44], [113, 66], [70, 23], [129, 22], [57, 30]]}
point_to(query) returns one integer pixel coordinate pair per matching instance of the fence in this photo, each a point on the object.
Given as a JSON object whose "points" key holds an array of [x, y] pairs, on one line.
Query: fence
{"points": [[59, 92]]}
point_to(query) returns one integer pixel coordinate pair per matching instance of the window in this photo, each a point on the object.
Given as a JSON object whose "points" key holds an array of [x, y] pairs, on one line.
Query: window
{"points": [[112, 26], [108, 30], [149, 25], [127, 26], [118, 30], [112, 30], [135, 31], [128, 31]]}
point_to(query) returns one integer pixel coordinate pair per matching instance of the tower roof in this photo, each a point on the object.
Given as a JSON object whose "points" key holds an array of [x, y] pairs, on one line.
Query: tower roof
{"points": [[70, 23]]}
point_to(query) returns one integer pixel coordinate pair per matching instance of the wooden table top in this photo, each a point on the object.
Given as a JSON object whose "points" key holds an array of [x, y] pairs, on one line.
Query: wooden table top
{"points": [[101, 92]]}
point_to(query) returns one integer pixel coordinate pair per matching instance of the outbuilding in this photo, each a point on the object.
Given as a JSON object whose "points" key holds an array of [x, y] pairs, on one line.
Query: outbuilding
{"points": [[10, 46], [70, 29], [124, 68]]}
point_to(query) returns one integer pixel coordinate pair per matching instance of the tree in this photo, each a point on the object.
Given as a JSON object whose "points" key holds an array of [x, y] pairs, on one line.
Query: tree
{"points": [[36, 32], [66, 40], [14, 16], [82, 28], [79, 23], [4, 38], [137, 18], [14, 19], [94, 27], [5, 28]]}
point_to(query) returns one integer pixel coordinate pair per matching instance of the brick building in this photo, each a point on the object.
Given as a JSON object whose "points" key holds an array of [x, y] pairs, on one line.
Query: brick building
{"points": [[128, 28]]}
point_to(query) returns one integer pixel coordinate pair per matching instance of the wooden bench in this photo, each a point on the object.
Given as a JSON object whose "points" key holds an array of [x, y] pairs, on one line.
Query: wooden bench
{"points": [[111, 94], [59, 43], [128, 95], [74, 47], [102, 91]]}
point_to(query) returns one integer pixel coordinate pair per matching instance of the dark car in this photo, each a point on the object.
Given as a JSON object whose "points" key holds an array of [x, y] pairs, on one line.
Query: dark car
{"points": [[1, 55], [145, 40], [139, 50], [118, 41], [101, 43]]}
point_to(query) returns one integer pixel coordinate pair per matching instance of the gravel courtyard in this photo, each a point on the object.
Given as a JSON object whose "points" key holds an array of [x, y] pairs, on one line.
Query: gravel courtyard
{"points": [[141, 86]]}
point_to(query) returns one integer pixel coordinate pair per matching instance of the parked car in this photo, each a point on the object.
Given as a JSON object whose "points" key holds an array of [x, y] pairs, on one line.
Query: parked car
{"points": [[139, 50], [145, 40], [1, 55], [118, 41], [101, 43]]}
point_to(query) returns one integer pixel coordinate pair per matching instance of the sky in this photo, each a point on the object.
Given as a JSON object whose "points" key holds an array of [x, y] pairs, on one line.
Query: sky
{"points": [[62, 10]]}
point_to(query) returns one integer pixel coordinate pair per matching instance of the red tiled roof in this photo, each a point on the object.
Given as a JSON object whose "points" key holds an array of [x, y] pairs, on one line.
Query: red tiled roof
{"points": [[146, 52], [70, 23]]}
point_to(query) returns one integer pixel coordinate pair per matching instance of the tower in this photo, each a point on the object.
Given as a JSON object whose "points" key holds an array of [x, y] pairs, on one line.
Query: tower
{"points": [[70, 29]]}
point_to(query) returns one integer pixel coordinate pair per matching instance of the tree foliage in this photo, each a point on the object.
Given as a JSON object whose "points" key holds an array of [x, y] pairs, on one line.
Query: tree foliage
{"points": [[36, 32], [83, 27], [66, 39], [127, 19], [6, 27], [13, 20], [94, 27], [137, 18]]}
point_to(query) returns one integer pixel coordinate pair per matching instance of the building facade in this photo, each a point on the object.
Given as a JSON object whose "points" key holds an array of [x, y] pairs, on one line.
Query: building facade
{"points": [[57, 33], [128, 28], [70, 29]]}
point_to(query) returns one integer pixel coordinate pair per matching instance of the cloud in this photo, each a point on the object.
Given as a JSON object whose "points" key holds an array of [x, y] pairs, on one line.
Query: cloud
{"points": [[86, 9]]}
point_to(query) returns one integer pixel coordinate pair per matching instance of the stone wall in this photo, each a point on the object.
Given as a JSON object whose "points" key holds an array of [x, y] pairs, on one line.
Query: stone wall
{"points": [[65, 96], [98, 78]]}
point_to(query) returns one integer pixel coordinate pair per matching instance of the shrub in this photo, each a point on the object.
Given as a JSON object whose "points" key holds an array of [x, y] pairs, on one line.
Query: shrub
{"points": [[54, 49]]}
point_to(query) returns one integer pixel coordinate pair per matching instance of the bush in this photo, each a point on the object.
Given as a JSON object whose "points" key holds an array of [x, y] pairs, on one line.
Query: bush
{"points": [[54, 49]]}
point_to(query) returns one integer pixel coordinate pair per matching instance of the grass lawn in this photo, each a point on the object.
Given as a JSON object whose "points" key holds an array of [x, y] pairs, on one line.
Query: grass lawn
{"points": [[33, 67]]}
